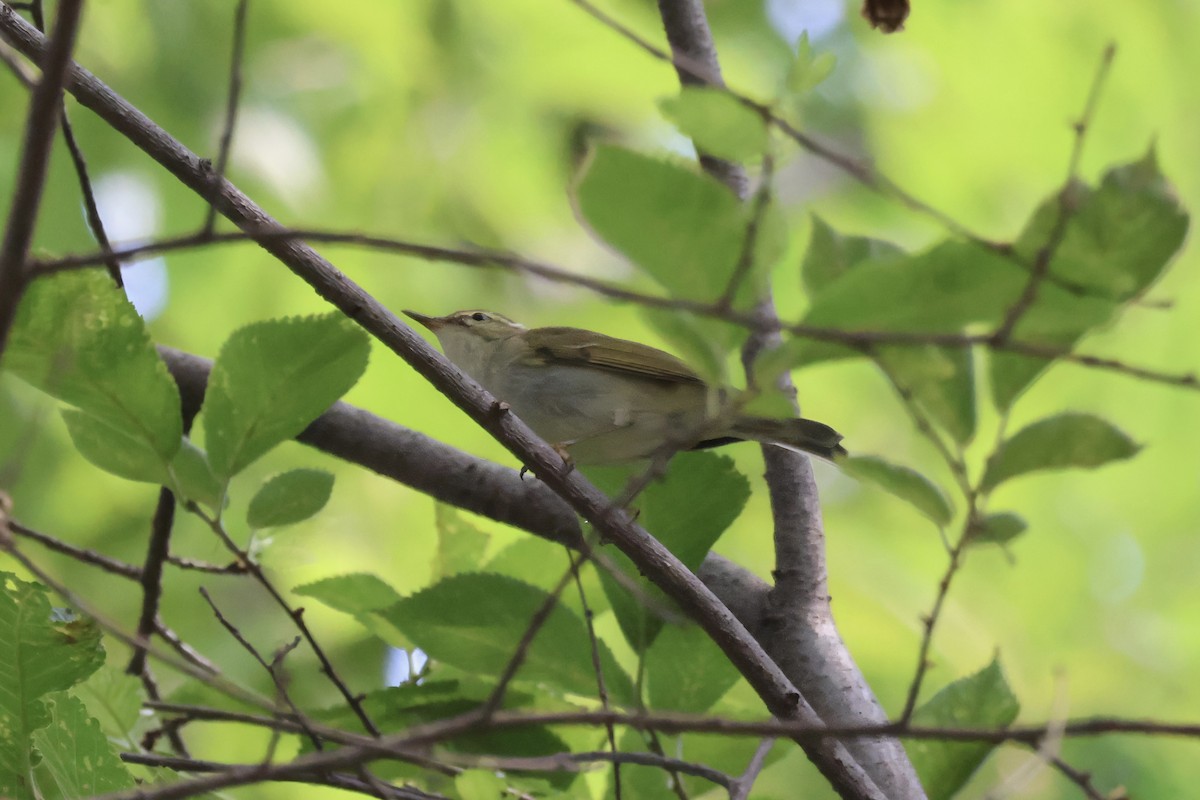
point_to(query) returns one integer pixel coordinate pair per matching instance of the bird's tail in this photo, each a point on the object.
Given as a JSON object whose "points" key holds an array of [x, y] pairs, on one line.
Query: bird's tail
{"points": [[805, 435]]}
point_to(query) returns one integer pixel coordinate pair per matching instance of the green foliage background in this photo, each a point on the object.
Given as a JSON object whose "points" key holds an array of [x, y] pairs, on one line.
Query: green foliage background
{"points": [[444, 122]]}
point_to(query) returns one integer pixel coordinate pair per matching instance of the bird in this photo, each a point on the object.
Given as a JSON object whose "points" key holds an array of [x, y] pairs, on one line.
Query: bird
{"points": [[602, 400]]}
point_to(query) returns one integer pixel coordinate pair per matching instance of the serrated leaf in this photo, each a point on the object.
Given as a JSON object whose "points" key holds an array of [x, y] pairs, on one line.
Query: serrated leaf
{"points": [[76, 753], [114, 450], [475, 621], [717, 122], [1058, 442], [999, 528], [461, 545], [982, 700], [686, 670], [831, 255], [363, 596], [41, 651], [684, 229], [114, 698], [903, 482], [77, 338], [688, 510], [272, 379], [289, 497]]}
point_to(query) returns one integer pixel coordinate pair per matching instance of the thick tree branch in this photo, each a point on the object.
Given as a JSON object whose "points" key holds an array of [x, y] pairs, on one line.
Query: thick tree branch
{"points": [[655, 561]]}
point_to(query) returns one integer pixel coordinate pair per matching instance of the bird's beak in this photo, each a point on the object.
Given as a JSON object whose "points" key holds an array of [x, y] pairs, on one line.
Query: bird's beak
{"points": [[433, 323]]}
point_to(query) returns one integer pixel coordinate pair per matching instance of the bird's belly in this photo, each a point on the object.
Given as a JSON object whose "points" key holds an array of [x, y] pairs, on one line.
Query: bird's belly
{"points": [[603, 417]]}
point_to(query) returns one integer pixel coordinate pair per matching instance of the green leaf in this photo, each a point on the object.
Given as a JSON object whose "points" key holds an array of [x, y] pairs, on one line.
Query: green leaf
{"points": [[940, 381], [479, 784], [688, 510], [683, 228], [942, 290], [363, 596], [474, 622], [808, 70], [1119, 240], [76, 753], [999, 528], [982, 700], [289, 497], [114, 698], [77, 338], [717, 122], [194, 477], [1058, 442], [272, 379], [905, 483], [1120, 236], [41, 651], [461, 545], [831, 255], [356, 593], [686, 670], [115, 450]]}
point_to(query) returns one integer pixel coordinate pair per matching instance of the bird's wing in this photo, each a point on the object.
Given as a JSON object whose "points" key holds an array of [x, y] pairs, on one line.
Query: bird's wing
{"points": [[606, 352]]}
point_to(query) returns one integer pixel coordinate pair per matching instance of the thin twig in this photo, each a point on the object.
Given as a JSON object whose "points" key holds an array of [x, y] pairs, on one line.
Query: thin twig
{"points": [[80, 554], [295, 614], [232, 98], [741, 786], [1067, 205], [157, 548]]}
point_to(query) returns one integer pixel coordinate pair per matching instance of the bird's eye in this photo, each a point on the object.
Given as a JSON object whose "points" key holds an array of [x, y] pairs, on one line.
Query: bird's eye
{"points": [[479, 316]]}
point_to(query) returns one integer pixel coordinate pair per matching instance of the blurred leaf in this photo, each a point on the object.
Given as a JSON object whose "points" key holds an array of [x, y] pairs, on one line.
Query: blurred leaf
{"points": [[982, 700], [1120, 236], [362, 595], [479, 784], [808, 70], [77, 338], [290, 497], [76, 753], [1058, 442], [114, 698], [356, 593], [194, 477], [686, 670], [683, 228], [42, 652], [717, 123], [272, 379], [1118, 241], [475, 622], [115, 450], [999, 528], [903, 482], [941, 381], [941, 290], [461, 545], [688, 510], [831, 254]]}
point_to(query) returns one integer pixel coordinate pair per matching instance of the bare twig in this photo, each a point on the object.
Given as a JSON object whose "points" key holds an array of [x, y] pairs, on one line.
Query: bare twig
{"points": [[151, 574], [232, 98], [295, 614], [740, 788], [80, 554]]}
